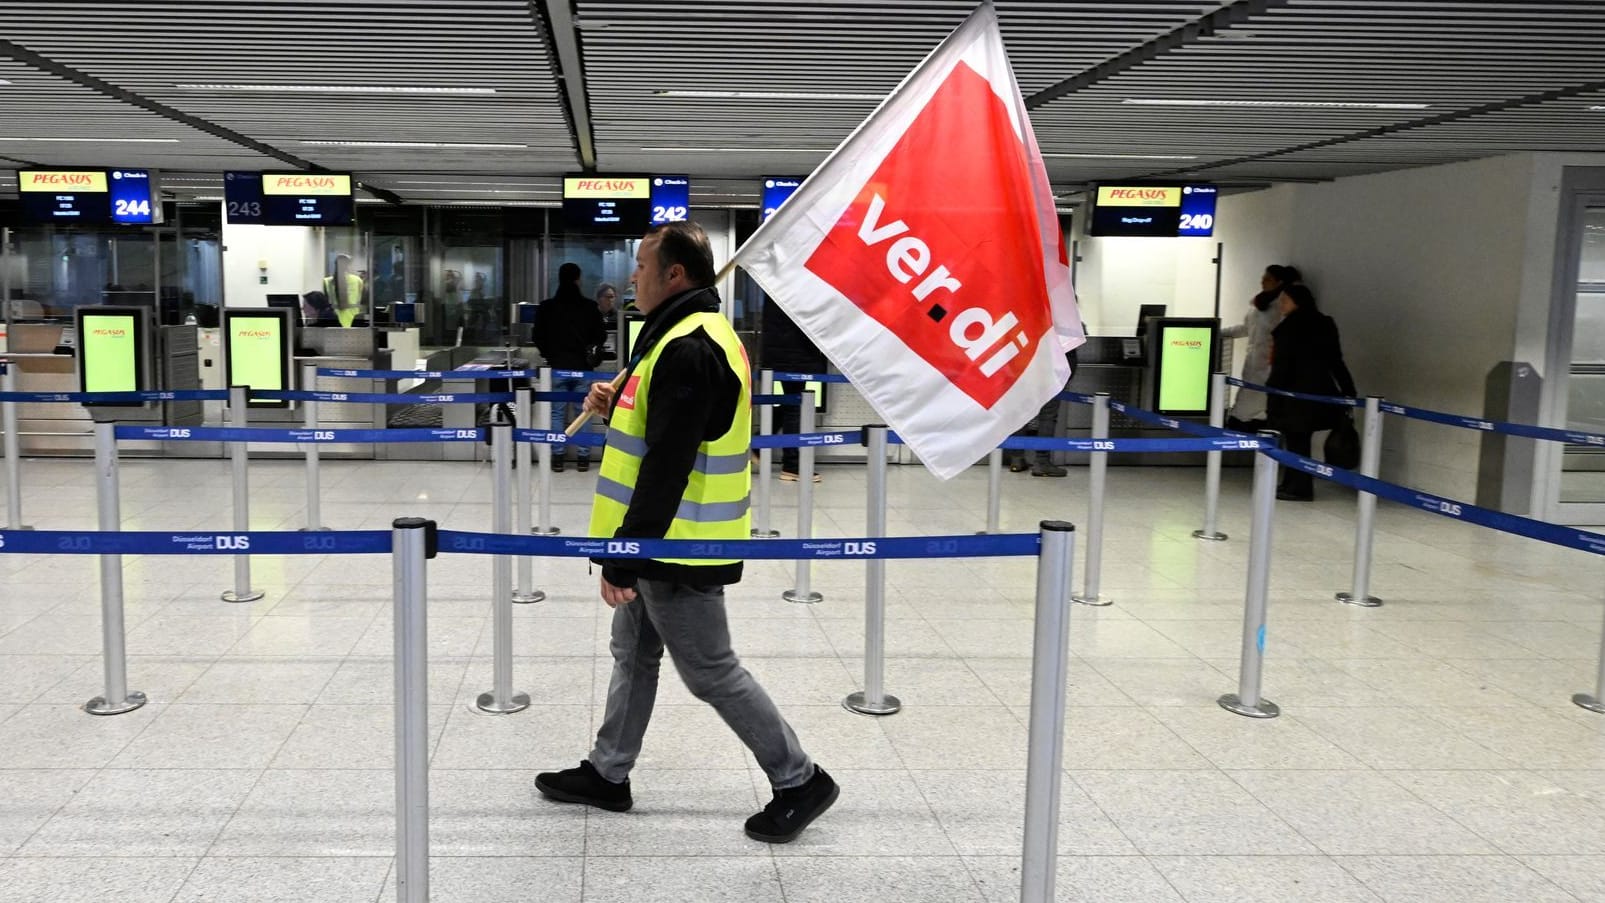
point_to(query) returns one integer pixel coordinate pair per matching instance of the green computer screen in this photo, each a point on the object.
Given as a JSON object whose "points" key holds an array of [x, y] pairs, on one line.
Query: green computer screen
{"points": [[110, 349], [257, 351], [1186, 357]]}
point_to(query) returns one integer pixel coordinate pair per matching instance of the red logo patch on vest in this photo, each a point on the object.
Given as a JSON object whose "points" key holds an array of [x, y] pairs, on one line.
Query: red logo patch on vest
{"points": [[627, 397]]}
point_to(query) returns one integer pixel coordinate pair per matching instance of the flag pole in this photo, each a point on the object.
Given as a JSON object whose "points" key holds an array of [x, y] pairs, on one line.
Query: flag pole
{"points": [[585, 416]]}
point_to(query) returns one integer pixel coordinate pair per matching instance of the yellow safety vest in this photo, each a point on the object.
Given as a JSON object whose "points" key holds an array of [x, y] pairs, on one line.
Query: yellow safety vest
{"points": [[346, 315], [715, 505]]}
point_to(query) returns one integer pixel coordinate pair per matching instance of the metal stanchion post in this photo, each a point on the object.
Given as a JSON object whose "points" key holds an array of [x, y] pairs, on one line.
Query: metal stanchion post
{"points": [[1596, 702], [309, 383], [114, 646], [238, 398], [1217, 419], [543, 456], [1050, 682], [994, 490], [1365, 521], [1247, 701], [874, 700], [766, 427], [1098, 467], [502, 699], [805, 505], [525, 593], [412, 544], [13, 447]]}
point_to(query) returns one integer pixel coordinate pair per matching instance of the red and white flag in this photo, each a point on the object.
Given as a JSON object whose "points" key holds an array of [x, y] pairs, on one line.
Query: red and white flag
{"points": [[924, 257]]}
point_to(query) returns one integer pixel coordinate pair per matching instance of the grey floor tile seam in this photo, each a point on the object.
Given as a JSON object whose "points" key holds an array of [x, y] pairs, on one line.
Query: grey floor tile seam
{"points": [[1446, 813], [254, 784], [1444, 725], [1342, 862], [1272, 812], [379, 895]]}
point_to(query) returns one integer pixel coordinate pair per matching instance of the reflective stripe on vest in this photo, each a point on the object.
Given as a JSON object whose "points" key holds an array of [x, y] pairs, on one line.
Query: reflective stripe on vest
{"points": [[716, 500]]}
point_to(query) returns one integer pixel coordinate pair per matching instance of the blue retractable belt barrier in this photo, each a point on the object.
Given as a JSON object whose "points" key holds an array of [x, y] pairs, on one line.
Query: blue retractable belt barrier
{"points": [[1569, 537], [1340, 400], [380, 398], [1524, 430], [1076, 397], [1212, 443], [777, 399], [557, 396], [965, 546], [428, 374], [596, 375], [1197, 429], [114, 397], [66, 542], [550, 437], [235, 434], [809, 440], [809, 377]]}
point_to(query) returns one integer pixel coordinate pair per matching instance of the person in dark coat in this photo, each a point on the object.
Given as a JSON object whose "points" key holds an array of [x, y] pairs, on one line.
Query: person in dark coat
{"points": [[567, 327], [1307, 357], [785, 347]]}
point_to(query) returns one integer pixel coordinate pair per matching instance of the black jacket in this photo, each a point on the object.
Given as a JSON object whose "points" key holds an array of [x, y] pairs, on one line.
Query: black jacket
{"points": [[567, 326], [1306, 356], [693, 399], [785, 346]]}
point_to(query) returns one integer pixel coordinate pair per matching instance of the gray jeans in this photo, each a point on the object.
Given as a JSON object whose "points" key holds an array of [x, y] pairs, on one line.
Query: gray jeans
{"points": [[690, 621]]}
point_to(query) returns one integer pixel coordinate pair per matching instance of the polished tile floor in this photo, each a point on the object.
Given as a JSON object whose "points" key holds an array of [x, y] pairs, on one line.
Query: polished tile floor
{"points": [[1428, 750]]}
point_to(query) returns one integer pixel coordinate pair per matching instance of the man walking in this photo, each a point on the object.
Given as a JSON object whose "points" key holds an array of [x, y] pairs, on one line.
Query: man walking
{"points": [[567, 327], [676, 468]]}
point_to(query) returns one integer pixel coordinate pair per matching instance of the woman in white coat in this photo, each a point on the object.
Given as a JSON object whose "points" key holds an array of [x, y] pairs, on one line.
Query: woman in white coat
{"points": [[1248, 410]]}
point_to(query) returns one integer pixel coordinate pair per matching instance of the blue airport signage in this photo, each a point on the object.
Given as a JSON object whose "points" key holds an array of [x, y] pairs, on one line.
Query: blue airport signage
{"points": [[775, 193], [671, 199]]}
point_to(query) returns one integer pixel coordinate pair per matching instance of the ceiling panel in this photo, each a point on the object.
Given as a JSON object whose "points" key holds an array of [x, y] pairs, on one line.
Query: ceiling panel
{"points": [[440, 98]]}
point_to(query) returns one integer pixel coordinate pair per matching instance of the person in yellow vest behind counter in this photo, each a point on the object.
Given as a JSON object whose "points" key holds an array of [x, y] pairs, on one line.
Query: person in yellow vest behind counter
{"points": [[676, 468], [344, 290]]}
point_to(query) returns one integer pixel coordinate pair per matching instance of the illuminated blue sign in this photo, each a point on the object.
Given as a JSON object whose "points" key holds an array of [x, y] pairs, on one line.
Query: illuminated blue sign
{"points": [[242, 197], [775, 193], [1197, 211], [133, 197], [671, 199]]}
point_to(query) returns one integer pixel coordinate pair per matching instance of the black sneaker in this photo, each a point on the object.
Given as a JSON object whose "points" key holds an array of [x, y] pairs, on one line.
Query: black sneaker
{"points": [[557, 464], [1018, 465], [792, 810], [583, 785], [1048, 470], [582, 465]]}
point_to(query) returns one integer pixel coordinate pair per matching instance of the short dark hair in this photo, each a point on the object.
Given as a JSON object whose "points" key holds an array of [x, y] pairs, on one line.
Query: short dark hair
{"points": [[567, 273], [685, 243], [1301, 295]]}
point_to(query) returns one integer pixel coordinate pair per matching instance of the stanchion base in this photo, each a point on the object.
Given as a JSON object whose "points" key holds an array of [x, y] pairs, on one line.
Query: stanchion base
{"points": [[22, 529], [530, 598], [889, 705], [316, 530], [765, 534], [486, 704], [545, 531], [1266, 709], [1097, 601], [1366, 602], [1206, 536], [808, 598], [250, 595], [99, 705], [1589, 702]]}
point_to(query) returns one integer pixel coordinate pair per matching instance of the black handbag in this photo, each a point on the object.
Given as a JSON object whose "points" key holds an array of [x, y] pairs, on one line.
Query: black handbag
{"points": [[1342, 448]]}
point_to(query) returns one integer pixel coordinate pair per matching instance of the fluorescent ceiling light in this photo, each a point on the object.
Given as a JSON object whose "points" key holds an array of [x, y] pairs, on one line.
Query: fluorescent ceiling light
{"points": [[206, 197], [99, 140], [1313, 104], [4, 82], [770, 95], [338, 89], [412, 144], [736, 150], [1597, 109], [1121, 156]]}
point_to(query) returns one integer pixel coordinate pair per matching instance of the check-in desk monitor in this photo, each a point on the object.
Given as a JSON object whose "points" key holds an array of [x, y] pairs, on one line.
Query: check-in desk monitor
{"points": [[114, 350], [257, 350], [1182, 354]]}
